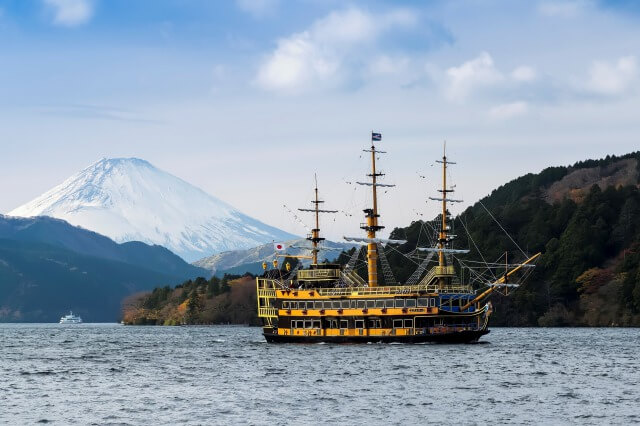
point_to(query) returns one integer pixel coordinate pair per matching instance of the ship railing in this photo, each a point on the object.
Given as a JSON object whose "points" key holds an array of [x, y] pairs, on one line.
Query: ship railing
{"points": [[267, 292], [311, 274], [362, 291], [267, 312]]}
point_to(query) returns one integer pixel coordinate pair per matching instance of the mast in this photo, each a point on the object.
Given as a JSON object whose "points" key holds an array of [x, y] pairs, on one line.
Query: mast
{"points": [[443, 231], [443, 236], [372, 216], [314, 237]]}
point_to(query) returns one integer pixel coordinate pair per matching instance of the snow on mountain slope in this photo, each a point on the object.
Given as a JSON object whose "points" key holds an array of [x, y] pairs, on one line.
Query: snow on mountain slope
{"points": [[128, 199]]}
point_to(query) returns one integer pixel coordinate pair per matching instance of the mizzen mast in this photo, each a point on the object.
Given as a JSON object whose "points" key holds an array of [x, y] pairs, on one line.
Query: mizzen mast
{"points": [[444, 237]]}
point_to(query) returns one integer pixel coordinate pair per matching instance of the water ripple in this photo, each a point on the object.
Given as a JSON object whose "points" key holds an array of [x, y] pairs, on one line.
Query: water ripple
{"points": [[97, 374]]}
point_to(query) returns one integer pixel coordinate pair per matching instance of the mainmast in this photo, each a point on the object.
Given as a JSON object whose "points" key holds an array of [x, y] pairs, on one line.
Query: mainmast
{"points": [[314, 237], [372, 215], [372, 226]]}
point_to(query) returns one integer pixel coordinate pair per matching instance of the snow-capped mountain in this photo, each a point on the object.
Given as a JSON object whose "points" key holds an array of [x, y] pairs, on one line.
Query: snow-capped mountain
{"points": [[128, 199]]}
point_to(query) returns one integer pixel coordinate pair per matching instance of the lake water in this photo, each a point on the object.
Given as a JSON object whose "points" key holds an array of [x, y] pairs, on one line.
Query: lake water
{"points": [[92, 373]]}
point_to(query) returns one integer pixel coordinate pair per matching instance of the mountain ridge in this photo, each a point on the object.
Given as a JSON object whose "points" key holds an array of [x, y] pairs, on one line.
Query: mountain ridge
{"points": [[48, 266], [128, 199]]}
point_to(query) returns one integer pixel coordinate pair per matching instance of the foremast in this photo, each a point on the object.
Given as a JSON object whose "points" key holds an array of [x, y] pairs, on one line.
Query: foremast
{"points": [[315, 237]]}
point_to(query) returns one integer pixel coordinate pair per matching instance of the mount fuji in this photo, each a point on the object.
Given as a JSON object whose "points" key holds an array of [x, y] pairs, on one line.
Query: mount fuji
{"points": [[128, 199]]}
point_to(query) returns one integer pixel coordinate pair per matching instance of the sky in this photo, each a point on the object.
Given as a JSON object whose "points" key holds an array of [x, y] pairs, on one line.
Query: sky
{"points": [[249, 99]]}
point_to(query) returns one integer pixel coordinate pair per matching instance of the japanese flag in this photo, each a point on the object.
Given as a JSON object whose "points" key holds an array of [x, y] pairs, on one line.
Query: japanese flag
{"points": [[278, 246]]}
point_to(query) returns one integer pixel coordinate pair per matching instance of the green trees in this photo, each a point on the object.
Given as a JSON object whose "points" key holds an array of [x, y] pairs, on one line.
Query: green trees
{"points": [[601, 230]]}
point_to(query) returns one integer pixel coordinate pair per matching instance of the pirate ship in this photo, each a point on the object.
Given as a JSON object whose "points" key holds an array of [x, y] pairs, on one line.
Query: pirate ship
{"points": [[327, 302]]}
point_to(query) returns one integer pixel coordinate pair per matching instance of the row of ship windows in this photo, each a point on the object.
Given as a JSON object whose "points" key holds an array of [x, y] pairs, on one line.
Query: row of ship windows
{"points": [[361, 304], [344, 324]]}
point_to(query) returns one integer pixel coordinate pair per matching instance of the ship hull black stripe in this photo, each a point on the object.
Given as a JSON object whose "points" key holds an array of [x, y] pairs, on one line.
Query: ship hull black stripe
{"points": [[455, 337]]}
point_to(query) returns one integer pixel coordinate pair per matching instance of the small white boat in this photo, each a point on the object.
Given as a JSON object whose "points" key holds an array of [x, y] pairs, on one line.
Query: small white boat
{"points": [[70, 319]]}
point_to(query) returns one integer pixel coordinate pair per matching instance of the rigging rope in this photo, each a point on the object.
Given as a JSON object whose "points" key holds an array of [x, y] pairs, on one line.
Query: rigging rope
{"points": [[474, 244], [503, 230], [354, 258], [389, 279], [413, 279]]}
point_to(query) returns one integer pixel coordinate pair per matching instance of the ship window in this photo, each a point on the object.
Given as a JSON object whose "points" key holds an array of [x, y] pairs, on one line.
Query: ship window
{"points": [[388, 303], [309, 305], [352, 304], [332, 323], [317, 305], [408, 323], [359, 323], [374, 323], [379, 303], [345, 304], [397, 323], [361, 304], [285, 305], [307, 323], [411, 303], [336, 304], [293, 305], [423, 302], [432, 301], [316, 324], [371, 303], [399, 303], [327, 304], [344, 324]]}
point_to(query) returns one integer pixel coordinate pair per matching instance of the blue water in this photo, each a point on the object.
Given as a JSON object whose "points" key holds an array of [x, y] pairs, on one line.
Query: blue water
{"points": [[83, 374]]}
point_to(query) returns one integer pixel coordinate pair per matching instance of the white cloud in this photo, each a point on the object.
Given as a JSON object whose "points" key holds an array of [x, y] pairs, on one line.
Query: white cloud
{"points": [[562, 9], [613, 79], [258, 8], [478, 72], [70, 13], [508, 110], [480, 76], [321, 55], [524, 74]]}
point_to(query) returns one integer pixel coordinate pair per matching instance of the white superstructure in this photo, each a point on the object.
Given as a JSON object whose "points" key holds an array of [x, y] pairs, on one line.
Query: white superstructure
{"points": [[70, 319]]}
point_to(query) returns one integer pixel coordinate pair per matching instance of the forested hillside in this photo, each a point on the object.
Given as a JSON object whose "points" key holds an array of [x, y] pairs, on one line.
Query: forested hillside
{"points": [[585, 219], [230, 299]]}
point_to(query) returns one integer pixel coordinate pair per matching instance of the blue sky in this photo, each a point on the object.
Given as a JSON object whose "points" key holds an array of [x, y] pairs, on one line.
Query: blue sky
{"points": [[248, 98]]}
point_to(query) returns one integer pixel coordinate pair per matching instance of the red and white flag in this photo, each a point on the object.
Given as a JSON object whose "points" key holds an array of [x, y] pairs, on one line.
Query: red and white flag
{"points": [[278, 246]]}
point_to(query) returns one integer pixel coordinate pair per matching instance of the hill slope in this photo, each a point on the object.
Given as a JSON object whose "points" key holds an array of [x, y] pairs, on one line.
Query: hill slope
{"points": [[48, 266], [250, 260], [586, 221], [128, 199]]}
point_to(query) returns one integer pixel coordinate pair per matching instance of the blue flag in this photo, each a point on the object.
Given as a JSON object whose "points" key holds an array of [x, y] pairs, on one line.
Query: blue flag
{"points": [[376, 136]]}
